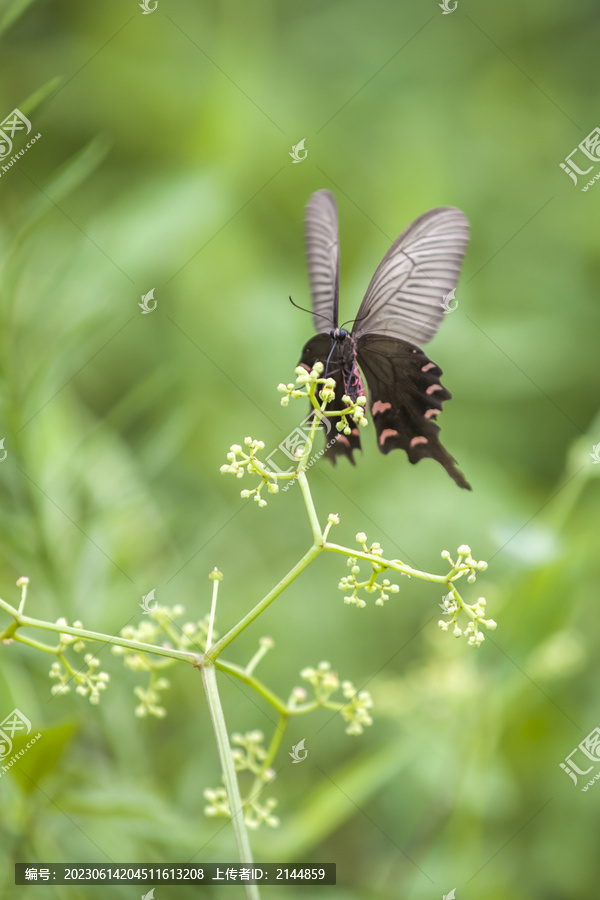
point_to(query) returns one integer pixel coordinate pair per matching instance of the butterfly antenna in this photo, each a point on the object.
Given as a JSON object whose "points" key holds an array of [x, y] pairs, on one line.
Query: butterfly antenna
{"points": [[354, 321], [312, 312]]}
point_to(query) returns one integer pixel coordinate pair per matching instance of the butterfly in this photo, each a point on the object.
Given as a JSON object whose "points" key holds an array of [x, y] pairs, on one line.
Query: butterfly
{"points": [[402, 309]]}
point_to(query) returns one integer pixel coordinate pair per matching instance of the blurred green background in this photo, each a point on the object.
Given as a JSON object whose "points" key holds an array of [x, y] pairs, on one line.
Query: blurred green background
{"points": [[163, 163]]}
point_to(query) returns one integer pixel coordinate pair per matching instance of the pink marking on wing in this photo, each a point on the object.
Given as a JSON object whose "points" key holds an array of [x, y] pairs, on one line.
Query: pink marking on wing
{"points": [[304, 366], [428, 367], [418, 440], [378, 407], [386, 433], [432, 412], [355, 431], [343, 440], [434, 387]]}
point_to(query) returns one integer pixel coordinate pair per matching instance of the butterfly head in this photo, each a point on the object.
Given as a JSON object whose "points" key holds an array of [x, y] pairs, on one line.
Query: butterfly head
{"points": [[338, 334]]}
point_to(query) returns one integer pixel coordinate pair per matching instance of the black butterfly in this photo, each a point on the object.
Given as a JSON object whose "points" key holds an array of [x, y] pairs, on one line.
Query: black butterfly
{"points": [[403, 308]]}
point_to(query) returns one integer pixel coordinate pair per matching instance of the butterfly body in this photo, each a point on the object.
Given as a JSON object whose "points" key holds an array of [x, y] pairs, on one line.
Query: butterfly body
{"points": [[340, 360], [402, 308]]}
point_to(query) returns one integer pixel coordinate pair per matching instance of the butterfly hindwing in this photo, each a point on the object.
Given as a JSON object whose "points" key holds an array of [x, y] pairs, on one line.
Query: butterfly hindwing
{"points": [[405, 396]]}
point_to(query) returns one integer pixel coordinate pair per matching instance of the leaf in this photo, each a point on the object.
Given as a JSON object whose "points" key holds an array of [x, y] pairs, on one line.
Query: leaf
{"points": [[14, 12], [78, 169], [36, 100], [40, 758], [340, 796], [69, 178]]}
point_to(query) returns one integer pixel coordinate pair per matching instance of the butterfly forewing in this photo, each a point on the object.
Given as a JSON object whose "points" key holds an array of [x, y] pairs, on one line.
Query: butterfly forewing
{"points": [[323, 257], [405, 297]]}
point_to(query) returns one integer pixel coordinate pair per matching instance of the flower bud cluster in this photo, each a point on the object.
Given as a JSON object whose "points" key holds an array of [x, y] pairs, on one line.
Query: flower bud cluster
{"points": [[248, 756], [306, 382], [323, 680], [325, 683], [356, 711], [160, 629], [240, 461], [249, 752], [465, 563], [320, 391], [371, 585], [70, 640], [149, 698], [353, 414], [88, 683], [452, 605]]}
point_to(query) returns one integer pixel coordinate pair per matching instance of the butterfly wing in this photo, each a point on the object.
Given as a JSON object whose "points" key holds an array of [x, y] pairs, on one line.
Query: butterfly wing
{"points": [[404, 298], [342, 363], [323, 256], [405, 396]]}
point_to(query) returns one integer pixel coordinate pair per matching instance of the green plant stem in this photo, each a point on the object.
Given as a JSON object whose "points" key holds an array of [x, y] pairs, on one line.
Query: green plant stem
{"points": [[171, 655], [254, 683], [259, 783], [37, 645], [276, 740], [26, 621], [209, 677], [395, 565], [310, 509], [213, 610], [212, 654]]}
